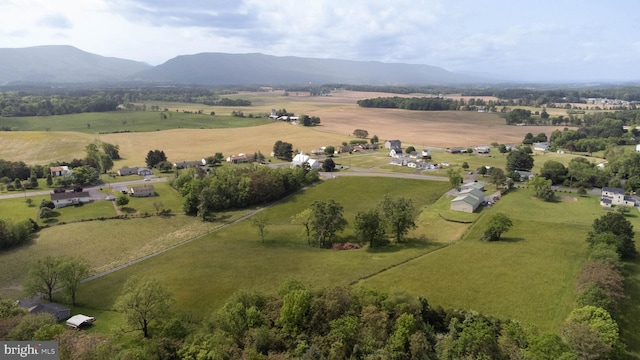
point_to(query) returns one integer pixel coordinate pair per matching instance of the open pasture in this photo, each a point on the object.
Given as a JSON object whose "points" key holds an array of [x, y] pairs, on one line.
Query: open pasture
{"points": [[205, 272], [127, 121], [105, 244], [528, 276]]}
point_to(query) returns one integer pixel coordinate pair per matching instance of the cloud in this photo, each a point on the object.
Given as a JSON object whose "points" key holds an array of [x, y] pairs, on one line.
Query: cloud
{"points": [[57, 21]]}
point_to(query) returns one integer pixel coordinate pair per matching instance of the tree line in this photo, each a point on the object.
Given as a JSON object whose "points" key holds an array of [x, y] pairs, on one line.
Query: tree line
{"points": [[18, 104], [423, 103], [227, 188]]}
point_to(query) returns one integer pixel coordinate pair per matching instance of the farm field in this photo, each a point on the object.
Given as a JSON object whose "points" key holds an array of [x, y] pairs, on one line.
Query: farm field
{"points": [[339, 113], [204, 273], [529, 276]]}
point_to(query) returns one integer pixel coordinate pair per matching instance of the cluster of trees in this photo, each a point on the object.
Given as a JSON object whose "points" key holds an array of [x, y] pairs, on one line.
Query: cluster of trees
{"points": [[307, 120], [360, 133], [415, 103], [156, 159], [22, 104], [283, 150], [393, 215], [592, 138], [16, 233], [236, 188], [49, 273]]}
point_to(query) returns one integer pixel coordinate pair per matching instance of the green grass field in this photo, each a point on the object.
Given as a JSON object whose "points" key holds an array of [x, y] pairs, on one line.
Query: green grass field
{"points": [[126, 121]]}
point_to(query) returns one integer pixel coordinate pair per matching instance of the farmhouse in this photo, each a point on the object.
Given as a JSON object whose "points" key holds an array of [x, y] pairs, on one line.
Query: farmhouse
{"points": [[59, 171], [238, 159], [390, 144], [142, 190], [302, 158], [426, 154], [136, 170], [395, 152], [615, 196], [70, 198], [455, 150], [344, 149], [186, 164], [525, 175], [37, 306], [541, 146], [482, 149]]}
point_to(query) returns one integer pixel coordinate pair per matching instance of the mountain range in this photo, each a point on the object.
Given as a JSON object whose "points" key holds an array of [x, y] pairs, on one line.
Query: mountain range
{"points": [[56, 64]]}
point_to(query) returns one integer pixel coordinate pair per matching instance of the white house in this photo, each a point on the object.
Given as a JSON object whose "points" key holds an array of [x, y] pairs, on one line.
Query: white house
{"points": [[59, 171], [302, 158], [70, 198], [638, 148], [541, 146], [615, 196], [482, 149]]}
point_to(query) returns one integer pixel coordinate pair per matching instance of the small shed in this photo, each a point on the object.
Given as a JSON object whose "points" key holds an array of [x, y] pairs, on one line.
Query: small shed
{"points": [[79, 321]]}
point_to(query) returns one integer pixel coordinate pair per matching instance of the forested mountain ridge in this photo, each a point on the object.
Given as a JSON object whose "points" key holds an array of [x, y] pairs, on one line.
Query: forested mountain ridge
{"points": [[246, 69], [55, 64], [62, 64]]}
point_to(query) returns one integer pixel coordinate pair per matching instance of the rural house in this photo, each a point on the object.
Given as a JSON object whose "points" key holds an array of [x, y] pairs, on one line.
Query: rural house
{"points": [[136, 170], [455, 150], [59, 171], [186, 164], [37, 306], [70, 198], [482, 149], [390, 144], [79, 321], [426, 154], [238, 159], [302, 158], [615, 196], [142, 190], [541, 146], [396, 152]]}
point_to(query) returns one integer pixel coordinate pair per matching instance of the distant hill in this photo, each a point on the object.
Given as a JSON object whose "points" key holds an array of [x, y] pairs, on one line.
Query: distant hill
{"points": [[62, 64], [245, 69]]}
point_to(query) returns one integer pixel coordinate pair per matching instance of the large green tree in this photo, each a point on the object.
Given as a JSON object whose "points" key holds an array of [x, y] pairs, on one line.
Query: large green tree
{"points": [[554, 171], [84, 175], [71, 272], [283, 150], [614, 229], [455, 178], [44, 276], [542, 188], [497, 224], [370, 227], [400, 215], [143, 302], [519, 160], [326, 219], [154, 157]]}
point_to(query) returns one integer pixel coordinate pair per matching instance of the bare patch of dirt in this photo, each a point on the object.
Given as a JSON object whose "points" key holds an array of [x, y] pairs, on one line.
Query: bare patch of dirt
{"points": [[568, 198]]}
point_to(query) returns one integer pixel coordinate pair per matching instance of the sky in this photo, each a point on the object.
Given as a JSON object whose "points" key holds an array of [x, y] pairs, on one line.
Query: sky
{"points": [[515, 40]]}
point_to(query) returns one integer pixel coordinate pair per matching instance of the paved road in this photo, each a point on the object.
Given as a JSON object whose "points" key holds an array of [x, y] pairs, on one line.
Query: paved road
{"points": [[94, 191]]}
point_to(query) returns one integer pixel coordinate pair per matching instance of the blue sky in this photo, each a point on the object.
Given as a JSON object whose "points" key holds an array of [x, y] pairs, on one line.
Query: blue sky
{"points": [[539, 40]]}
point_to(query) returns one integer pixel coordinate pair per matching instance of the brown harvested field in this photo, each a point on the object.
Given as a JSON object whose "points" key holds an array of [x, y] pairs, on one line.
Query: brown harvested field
{"points": [[339, 114]]}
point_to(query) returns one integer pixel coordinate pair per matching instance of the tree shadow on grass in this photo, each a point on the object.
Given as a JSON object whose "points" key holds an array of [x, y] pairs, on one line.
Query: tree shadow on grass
{"points": [[127, 210], [50, 221], [510, 239], [410, 243]]}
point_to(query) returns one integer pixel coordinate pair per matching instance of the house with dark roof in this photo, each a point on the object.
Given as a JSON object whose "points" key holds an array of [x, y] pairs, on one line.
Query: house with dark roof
{"points": [[390, 144], [142, 190], [37, 306], [615, 196], [63, 199]]}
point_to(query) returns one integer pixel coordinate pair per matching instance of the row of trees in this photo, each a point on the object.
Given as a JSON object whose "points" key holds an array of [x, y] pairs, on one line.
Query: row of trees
{"points": [[49, 273], [20, 104], [433, 104], [393, 215], [227, 188]]}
